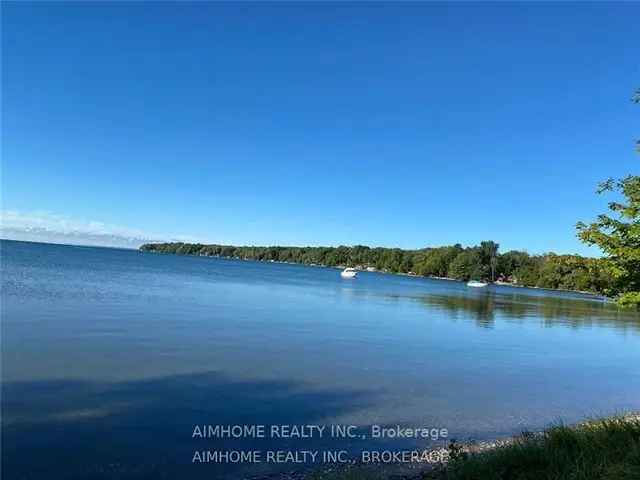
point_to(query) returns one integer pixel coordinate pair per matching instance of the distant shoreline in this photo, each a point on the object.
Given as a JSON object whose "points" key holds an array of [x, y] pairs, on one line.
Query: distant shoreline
{"points": [[87, 245], [142, 248], [593, 295]]}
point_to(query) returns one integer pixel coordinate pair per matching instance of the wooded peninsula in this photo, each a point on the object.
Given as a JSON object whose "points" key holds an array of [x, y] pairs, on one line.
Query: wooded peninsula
{"points": [[616, 274], [481, 262]]}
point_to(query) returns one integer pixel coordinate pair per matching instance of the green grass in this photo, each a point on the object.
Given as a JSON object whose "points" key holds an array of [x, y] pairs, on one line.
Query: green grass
{"points": [[598, 450]]}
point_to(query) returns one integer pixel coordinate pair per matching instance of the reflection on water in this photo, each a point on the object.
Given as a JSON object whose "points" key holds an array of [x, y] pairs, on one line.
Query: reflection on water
{"points": [[502, 302], [488, 306], [110, 357]]}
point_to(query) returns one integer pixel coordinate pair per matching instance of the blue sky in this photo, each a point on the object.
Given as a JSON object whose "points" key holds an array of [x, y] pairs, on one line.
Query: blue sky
{"points": [[403, 125]]}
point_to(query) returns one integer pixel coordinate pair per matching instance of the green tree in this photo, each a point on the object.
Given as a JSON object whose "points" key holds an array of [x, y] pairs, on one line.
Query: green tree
{"points": [[467, 265], [436, 261], [489, 256], [618, 236], [511, 261]]}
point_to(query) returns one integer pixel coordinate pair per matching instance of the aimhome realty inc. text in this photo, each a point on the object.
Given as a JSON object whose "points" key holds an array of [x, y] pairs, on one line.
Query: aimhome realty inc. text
{"points": [[316, 431]]}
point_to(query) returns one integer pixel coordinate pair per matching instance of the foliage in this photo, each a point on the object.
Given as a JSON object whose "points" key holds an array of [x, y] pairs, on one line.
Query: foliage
{"points": [[629, 299], [618, 236], [598, 450], [482, 262], [572, 272], [467, 265], [435, 261], [606, 449]]}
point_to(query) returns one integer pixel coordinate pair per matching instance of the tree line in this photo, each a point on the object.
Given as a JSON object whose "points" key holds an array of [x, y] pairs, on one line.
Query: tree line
{"points": [[480, 262], [616, 274]]}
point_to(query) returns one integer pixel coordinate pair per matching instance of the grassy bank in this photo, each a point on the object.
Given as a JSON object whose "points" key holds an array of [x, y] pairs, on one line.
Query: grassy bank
{"points": [[598, 450], [603, 450]]}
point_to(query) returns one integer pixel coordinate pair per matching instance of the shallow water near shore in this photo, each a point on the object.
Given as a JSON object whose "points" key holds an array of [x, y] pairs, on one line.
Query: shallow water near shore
{"points": [[110, 358]]}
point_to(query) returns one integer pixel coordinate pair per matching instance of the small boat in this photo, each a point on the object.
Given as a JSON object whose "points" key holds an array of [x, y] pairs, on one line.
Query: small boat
{"points": [[349, 273], [476, 284]]}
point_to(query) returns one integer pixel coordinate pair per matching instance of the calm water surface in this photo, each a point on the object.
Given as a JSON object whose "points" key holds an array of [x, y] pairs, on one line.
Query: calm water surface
{"points": [[110, 357]]}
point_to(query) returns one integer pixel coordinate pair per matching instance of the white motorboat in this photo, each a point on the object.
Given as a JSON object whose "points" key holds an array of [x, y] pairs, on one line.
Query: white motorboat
{"points": [[349, 273], [476, 284]]}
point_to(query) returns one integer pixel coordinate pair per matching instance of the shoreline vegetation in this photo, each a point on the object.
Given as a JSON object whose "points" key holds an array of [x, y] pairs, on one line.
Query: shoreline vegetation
{"points": [[598, 449], [603, 449], [616, 275], [550, 271]]}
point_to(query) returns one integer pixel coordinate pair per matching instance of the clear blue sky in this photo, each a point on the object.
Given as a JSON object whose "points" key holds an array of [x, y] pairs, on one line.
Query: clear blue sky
{"points": [[382, 124]]}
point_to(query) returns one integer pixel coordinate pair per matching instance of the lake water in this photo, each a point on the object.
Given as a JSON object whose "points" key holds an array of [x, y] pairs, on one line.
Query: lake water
{"points": [[110, 357]]}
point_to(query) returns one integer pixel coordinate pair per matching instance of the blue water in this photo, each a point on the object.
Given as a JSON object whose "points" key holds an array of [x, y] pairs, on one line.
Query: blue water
{"points": [[110, 357]]}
